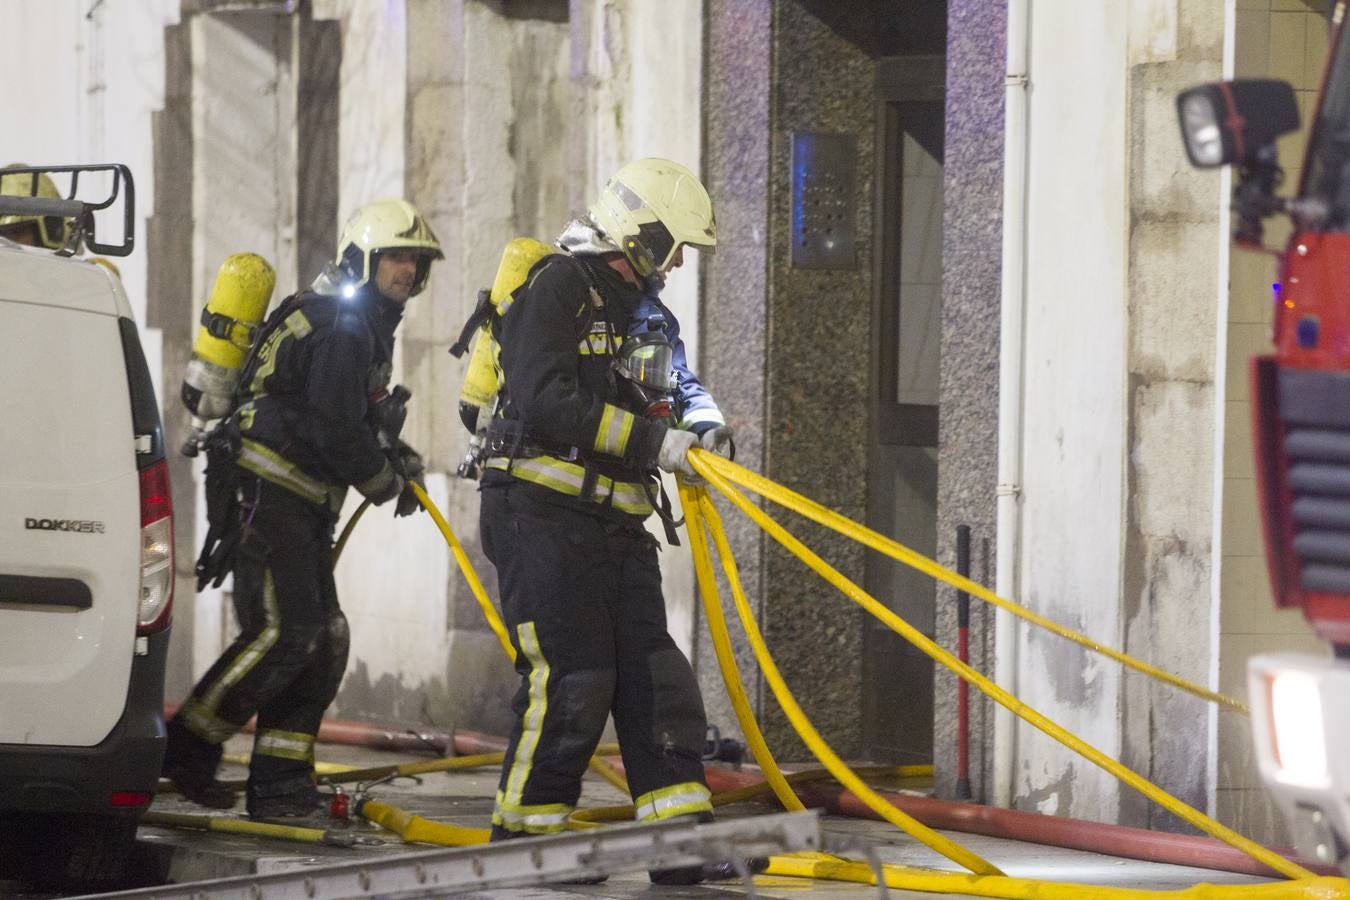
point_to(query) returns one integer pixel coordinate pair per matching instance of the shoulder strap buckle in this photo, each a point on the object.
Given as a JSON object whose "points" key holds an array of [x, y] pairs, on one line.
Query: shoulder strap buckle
{"points": [[221, 326]]}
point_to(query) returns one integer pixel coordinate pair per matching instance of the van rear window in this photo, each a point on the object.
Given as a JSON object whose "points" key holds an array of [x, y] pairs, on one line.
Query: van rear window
{"points": [[144, 410]]}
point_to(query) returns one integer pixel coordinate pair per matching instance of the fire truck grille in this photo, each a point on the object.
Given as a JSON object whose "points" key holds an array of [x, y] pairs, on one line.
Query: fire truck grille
{"points": [[1319, 479]]}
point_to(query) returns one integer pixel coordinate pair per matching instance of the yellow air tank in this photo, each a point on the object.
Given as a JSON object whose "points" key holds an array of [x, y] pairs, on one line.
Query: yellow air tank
{"points": [[238, 301], [483, 380]]}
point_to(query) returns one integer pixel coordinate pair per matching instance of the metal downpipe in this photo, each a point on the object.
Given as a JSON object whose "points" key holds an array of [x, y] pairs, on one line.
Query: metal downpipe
{"points": [[1012, 320]]}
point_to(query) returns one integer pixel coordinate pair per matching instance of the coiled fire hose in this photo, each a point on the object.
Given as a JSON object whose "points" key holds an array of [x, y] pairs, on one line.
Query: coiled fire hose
{"points": [[985, 879]]}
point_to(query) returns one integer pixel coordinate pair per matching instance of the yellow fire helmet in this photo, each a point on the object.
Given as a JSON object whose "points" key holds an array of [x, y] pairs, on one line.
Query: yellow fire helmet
{"points": [[384, 225], [49, 231], [651, 208]]}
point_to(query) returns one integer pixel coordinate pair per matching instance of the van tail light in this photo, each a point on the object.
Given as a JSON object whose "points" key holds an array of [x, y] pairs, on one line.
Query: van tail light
{"points": [[129, 798], [156, 603]]}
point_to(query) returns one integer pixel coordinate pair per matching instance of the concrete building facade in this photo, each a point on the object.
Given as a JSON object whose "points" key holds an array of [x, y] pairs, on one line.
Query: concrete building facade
{"points": [[964, 277]]}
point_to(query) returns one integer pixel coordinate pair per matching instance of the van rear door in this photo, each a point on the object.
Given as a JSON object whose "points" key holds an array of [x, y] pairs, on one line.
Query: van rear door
{"points": [[70, 527]]}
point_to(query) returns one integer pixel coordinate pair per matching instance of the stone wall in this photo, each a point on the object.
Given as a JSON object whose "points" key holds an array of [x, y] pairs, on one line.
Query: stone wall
{"points": [[1174, 297], [968, 425], [514, 115], [738, 106], [816, 408], [791, 343]]}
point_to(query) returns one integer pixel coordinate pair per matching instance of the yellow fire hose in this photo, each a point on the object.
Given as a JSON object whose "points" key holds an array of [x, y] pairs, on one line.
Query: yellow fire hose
{"points": [[231, 825], [696, 512], [347, 531], [327, 770], [822, 515], [726, 659], [452, 763], [914, 879], [421, 767], [475, 585], [336, 773], [327, 773], [821, 866], [711, 472], [582, 819], [418, 829]]}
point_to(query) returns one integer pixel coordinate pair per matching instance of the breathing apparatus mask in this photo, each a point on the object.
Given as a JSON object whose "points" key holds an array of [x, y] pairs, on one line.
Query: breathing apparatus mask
{"points": [[646, 372], [645, 376]]}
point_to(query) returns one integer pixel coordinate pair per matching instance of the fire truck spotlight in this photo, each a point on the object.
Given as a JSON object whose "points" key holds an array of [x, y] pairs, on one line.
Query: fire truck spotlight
{"points": [[1296, 721], [1235, 121], [1200, 127]]}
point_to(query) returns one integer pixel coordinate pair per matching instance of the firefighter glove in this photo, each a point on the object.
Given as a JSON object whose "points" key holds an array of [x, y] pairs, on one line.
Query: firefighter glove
{"points": [[412, 468], [407, 500], [410, 464], [394, 488], [674, 453], [719, 440]]}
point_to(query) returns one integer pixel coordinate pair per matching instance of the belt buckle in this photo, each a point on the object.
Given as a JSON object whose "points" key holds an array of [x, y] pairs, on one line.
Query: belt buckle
{"points": [[604, 489], [573, 454]]}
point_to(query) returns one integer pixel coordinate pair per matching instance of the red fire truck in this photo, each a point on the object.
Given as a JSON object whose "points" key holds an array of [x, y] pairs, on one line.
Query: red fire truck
{"points": [[1301, 420]]}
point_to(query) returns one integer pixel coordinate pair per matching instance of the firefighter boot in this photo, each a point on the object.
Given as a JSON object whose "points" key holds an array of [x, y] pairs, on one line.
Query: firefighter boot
{"points": [[502, 834], [293, 799], [190, 763], [721, 870]]}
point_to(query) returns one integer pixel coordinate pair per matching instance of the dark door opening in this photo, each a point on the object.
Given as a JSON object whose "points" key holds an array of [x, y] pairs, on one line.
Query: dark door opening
{"points": [[903, 459]]}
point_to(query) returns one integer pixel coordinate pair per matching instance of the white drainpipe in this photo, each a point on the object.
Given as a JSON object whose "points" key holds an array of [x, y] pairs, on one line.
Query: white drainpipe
{"points": [[1011, 353]]}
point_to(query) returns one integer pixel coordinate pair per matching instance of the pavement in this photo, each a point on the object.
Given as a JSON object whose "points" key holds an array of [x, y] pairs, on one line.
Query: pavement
{"points": [[465, 798]]}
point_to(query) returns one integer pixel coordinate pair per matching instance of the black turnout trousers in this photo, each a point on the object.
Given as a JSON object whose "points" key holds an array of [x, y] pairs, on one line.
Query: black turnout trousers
{"points": [[288, 660], [581, 598]]}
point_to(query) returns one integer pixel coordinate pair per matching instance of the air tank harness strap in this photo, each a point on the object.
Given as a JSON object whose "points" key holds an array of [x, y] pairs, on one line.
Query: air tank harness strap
{"points": [[221, 543], [221, 327], [482, 312], [665, 511]]}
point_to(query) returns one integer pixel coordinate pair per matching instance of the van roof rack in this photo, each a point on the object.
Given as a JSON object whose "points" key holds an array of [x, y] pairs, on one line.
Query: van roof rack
{"points": [[79, 212]]}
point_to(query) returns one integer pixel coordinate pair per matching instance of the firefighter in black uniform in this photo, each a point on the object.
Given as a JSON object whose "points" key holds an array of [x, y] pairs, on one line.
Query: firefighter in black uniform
{"points": [[565, 490], [316, 417]]}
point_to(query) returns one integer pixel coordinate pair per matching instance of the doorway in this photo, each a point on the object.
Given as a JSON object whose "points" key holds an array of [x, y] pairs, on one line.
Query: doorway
{"points": [[903, 455]]}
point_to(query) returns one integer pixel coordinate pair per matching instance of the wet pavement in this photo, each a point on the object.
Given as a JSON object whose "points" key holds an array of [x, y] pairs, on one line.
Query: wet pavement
{"points": [[465, 798]]}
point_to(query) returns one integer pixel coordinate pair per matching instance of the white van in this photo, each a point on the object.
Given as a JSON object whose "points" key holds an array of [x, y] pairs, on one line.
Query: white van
{"points": [[86, 562]]}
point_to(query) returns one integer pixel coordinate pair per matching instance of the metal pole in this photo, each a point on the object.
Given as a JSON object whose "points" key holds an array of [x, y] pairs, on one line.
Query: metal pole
{"points": [[963, 653]]}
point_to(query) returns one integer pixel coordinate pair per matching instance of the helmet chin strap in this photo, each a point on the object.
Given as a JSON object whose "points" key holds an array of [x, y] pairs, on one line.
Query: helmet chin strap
{"points": [[423, 273], [640, 260], [653, 283]]}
